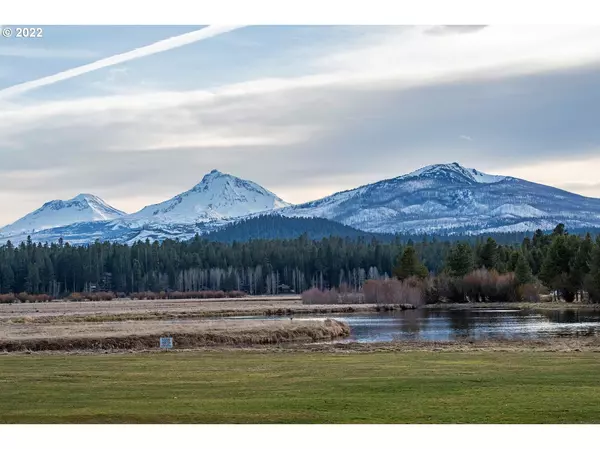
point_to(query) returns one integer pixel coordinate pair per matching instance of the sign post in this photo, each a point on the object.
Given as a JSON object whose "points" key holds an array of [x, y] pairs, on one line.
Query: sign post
{"points": [[166, 342]]}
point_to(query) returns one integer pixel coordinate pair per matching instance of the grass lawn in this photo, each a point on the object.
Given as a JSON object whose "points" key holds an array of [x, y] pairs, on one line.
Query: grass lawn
{"points": [[245, 387]]}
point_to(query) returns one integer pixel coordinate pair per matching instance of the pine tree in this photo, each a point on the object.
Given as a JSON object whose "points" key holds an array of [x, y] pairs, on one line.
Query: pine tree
{"points": [[460, 260], [556, 268], [408, 264], [592, 281], [580, 266], [488, 257], [522, 270]]}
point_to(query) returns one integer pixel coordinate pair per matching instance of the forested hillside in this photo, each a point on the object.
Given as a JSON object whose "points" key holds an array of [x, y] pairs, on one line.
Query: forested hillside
{"points": [[279, 227], [567, 263]]}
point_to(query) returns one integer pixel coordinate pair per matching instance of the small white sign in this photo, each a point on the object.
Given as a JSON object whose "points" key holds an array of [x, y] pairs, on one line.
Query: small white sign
{"points": [[166, 342]]}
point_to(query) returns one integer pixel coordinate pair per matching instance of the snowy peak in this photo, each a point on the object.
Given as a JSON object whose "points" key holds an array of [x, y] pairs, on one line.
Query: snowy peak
{"points": [[454, 172], [217, 196], [84, 207], [452, 198]]}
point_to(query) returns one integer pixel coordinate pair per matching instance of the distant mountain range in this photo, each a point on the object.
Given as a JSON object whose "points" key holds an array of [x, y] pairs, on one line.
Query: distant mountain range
{"points": [[441, 199], [82, 208]]}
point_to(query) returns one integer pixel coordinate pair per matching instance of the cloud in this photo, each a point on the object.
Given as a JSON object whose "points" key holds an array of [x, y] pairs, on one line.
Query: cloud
{"points": [[46, 53], [451, 29], [572, 173], [463, 137], [157, 47], [349, 121]]}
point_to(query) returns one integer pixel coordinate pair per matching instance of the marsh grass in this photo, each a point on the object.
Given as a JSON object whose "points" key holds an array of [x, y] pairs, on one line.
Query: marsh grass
{"points": [[145, 335]]}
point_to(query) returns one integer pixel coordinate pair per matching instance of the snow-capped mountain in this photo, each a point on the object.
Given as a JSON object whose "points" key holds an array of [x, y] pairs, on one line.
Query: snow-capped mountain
{"points": [[218, 196], [446, 198], [83, 208], [442, 199]]}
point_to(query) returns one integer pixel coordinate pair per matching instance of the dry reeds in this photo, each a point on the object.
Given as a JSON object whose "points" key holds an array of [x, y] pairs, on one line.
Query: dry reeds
{"points": [[269, 334]]}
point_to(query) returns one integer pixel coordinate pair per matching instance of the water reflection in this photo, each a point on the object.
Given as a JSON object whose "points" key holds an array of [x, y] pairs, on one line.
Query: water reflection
{"points": [[476, 324]]}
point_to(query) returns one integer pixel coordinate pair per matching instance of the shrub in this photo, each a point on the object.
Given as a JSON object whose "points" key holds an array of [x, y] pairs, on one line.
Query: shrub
{"points": [[444, 288], [393, 291], [316, 296], [8, 298], [26, 297], [204, 294], [529, 292]]}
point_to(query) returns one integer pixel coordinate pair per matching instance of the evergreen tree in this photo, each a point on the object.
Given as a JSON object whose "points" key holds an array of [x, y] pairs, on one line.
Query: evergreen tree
{"points": [[460, 260], [580, 266], [488, 256], [408, 264], [556, 268], [522, 270], [592, 281]]}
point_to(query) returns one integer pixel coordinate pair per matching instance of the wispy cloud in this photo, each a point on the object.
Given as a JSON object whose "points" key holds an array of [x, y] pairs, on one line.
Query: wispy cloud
{"points": [[157, 47], [46, 53], [405, 97]]}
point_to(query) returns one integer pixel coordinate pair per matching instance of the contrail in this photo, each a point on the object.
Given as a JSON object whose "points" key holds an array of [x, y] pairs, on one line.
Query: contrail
{"points": [[157, 47]]}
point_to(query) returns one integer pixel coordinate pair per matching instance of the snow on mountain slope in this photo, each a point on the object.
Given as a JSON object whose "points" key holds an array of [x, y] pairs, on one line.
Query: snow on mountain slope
{"points": [[453, 171], [218, 196], [82, 208], [518, 210], [449, 198], [443, 198]]}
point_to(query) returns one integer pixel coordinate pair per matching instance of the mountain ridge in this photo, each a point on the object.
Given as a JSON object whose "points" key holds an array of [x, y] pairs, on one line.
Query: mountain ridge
{"points": [[438, 198], [84, 207]]}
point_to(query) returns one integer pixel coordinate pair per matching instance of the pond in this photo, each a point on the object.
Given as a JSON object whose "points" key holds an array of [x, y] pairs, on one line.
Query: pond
{"points": [[477, 324]]}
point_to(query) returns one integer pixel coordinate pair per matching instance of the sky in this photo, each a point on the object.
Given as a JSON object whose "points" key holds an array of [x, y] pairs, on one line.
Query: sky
{"points": [[138, 114]]}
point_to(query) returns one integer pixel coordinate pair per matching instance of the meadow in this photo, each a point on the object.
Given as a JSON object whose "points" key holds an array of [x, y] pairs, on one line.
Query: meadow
{"points": [[236, 386]]}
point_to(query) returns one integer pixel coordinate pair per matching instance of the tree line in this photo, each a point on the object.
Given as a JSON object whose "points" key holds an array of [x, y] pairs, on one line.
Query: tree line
{"points": [[567, 264]]}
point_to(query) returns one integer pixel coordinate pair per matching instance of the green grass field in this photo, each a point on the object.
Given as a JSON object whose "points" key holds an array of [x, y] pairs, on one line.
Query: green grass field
{"points": [[245, 387]]}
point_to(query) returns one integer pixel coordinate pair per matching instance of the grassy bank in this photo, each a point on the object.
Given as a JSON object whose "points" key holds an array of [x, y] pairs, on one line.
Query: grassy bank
{"points": [[145, 335], [246, 387]]}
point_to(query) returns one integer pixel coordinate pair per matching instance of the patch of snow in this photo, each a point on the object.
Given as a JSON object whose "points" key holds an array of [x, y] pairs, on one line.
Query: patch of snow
{"points": [[440, 170], [83, 208], [518, 210]]}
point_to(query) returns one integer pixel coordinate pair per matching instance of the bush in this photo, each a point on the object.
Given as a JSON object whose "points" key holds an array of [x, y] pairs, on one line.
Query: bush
{"points": [[26, 297], [316, 296], [204, 294], [444, 288], [529, 292], [480, 285], [8, 298], [393, 291]]}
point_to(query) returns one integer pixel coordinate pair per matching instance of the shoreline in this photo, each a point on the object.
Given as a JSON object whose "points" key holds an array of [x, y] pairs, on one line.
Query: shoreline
{"points": [[514, 305]]}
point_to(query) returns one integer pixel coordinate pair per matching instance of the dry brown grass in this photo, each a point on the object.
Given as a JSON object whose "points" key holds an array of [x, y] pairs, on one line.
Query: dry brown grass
{"points": [[145, 335], [160, 310]]}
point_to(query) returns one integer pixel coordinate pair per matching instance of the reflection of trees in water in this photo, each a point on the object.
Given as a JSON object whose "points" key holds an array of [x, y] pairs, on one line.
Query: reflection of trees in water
{"points": [[461, 322], [413, 321], [563, 316], [584, 332], [477, 324]]}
